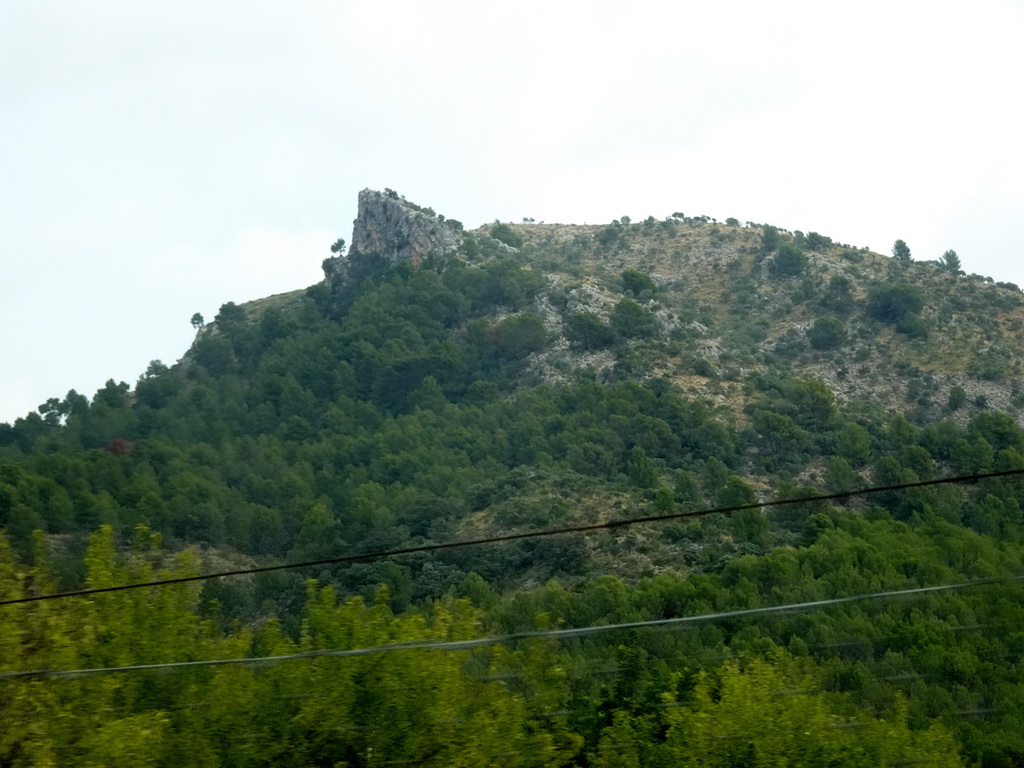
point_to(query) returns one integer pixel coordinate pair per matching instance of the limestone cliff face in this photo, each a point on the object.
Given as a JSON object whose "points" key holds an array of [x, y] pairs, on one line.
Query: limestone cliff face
{"points": [[391, 229]]}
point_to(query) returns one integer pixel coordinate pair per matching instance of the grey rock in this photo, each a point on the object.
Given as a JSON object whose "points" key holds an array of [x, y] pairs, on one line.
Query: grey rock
{"points": [[389, 227]]}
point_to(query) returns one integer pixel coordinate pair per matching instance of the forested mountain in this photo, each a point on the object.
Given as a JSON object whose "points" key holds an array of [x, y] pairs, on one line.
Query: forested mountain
{"points": [[442, 385]]}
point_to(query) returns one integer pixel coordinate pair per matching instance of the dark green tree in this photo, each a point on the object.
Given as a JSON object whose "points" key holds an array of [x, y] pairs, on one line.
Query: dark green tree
{"points": [[158, 385], [827, 333], [770, 239], [637, 282], [505, 234], [230, 318], [950, 263], [588, 330], [901, 252], [640, 469], [840, 477], [789, 260], [608, 235], [817, 242], [518, 335], [891, 302], [838, 296], [746, 524], [957, 398], [854, 444], [631, 320]]}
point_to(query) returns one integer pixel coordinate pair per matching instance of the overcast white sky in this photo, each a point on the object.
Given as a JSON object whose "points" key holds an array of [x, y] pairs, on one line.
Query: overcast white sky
{"points": [[158, 159]]}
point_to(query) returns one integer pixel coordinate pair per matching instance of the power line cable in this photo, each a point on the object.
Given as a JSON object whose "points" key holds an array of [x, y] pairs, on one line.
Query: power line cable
{"points": [[458, 544], [461, 645]]}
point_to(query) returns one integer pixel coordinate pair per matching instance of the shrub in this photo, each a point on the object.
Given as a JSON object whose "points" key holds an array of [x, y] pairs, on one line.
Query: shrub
{"points": [[957, 398], [770, 239], [702, 367], [827, 333], [632, 320], [838, 296], [588, 330], [518, 335], [608, 235], [637, 282], [890, 303], [901, 252], [505, 234], [913, 325], [816, 242], [790, 260]]}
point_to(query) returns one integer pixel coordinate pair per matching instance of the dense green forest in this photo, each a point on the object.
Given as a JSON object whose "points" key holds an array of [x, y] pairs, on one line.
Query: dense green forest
{"points": [[516, 385]]}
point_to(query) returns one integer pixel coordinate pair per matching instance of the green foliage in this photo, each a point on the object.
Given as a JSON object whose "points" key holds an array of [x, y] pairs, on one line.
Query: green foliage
{"points": [[640, 469], [817, 242], [991, 363], [913, 325], [840, 476], [950, 262], [901, 252], [470, 248], [827, 333], [230, 318], [505, 234], [957, 398], [811, 403], [632, 321], [588, 330], [770, 240], [158, 386], [739, 717], [392, 707], [891, 303], [608, 236], [838, 296], [854, 444], [637, 283], [519, 335], [789, 260], [783, 439]]}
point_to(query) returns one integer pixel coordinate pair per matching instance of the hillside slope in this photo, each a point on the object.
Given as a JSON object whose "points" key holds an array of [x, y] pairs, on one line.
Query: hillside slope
{"points": [[441, 385]]}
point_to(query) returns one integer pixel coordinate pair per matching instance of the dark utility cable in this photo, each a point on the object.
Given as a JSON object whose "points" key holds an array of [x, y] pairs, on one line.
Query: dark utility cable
{"points": [[610, 525]]}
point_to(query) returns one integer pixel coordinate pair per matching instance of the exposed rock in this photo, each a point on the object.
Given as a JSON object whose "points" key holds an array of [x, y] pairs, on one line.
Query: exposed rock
{"points": [[389, 228]]}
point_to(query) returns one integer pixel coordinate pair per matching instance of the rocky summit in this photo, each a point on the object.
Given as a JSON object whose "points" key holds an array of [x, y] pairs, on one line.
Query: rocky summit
{"points": [[391, 229]]}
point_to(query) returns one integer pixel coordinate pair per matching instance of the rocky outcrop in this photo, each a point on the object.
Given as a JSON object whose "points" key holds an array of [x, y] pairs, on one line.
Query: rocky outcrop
{"points": [[389, 229]]}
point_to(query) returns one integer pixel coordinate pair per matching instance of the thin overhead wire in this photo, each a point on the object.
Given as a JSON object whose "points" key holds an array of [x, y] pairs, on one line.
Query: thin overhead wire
{"points": [[462, 645], [458, 544]]}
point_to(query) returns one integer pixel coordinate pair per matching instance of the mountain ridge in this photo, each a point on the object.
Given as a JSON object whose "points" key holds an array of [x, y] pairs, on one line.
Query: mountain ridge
{"points": [[702, 265]]}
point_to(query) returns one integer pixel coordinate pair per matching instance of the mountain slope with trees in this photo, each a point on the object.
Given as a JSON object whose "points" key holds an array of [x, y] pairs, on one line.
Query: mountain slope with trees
{"points": [[452, 384]]}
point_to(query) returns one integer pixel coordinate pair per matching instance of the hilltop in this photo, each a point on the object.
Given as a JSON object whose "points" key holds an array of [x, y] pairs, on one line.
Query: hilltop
{"points": [[727, 308], [726, 305]]}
